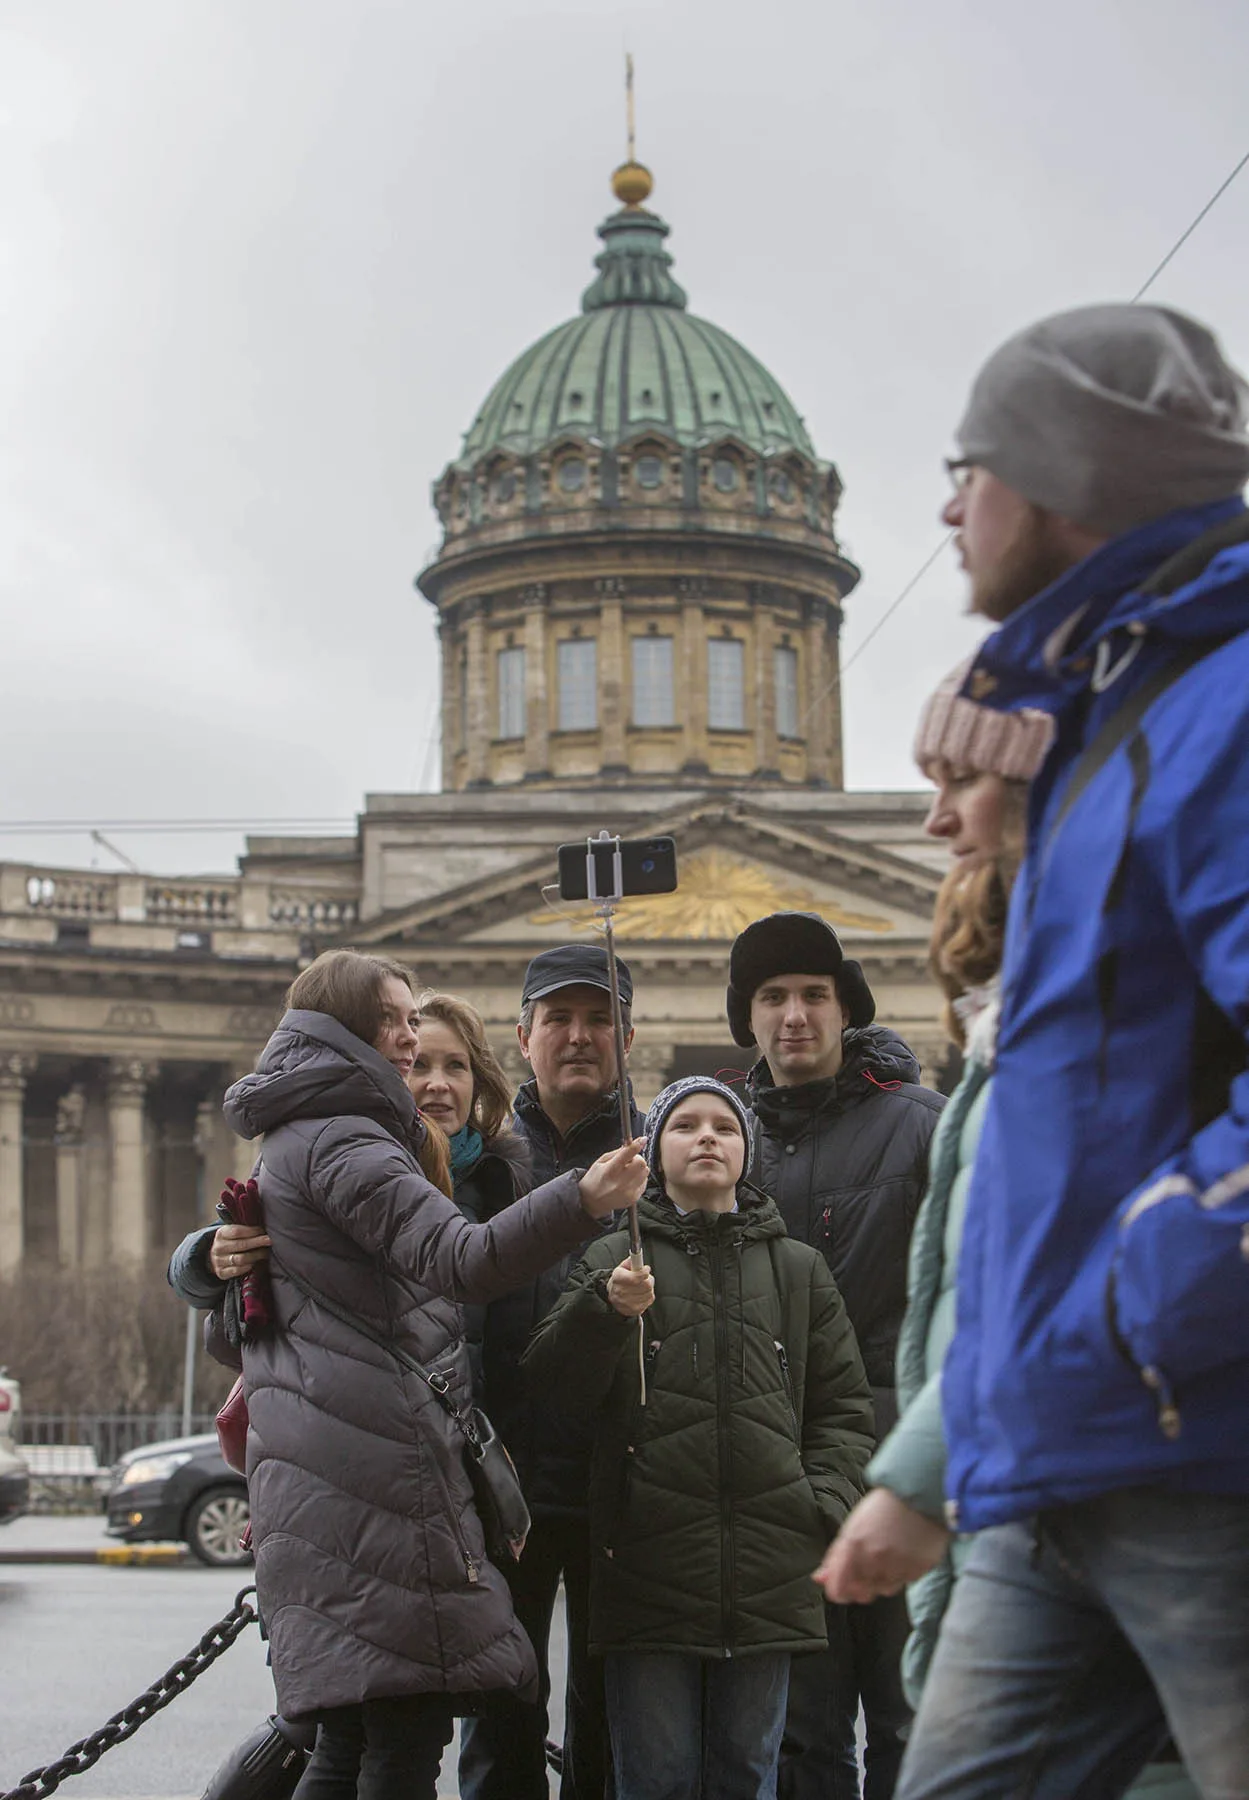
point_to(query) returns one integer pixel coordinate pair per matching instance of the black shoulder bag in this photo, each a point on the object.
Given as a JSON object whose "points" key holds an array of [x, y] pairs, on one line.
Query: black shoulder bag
{"points": [[500, 1503]]}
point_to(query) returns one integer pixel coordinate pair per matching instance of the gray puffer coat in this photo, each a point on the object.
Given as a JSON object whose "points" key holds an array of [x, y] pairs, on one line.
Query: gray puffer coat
{"points": [[371, 1569]]}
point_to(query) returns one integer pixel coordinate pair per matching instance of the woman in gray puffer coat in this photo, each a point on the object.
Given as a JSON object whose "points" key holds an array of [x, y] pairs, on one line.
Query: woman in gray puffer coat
{"points": [[377, 1595]]}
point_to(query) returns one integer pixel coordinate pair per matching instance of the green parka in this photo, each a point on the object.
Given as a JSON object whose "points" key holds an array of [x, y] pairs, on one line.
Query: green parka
{"points": [[711, 1505]]}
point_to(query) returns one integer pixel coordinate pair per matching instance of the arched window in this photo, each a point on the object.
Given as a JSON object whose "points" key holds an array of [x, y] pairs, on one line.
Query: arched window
{"points": [[785, 666], [653, 699], [578, 684], [726, 684], [510, 671]]}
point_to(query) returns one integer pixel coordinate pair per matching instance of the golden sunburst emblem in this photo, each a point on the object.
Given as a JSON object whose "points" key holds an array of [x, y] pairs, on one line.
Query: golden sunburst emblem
{"points": [[718, 897]]}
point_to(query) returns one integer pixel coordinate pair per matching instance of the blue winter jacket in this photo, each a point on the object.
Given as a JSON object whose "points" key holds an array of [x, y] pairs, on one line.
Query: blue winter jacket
{"points": [[1103, 1305]]}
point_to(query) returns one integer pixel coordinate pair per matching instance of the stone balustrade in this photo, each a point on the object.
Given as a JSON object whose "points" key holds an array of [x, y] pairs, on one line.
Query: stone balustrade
{"points": [[222, 904]]}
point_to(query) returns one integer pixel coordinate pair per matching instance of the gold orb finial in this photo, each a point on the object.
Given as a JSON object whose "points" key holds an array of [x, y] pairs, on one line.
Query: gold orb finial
{"points": [[631, 183]]}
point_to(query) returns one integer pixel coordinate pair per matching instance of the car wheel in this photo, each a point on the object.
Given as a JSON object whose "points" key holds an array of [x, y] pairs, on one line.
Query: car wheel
{"points": [[215, 1524]]}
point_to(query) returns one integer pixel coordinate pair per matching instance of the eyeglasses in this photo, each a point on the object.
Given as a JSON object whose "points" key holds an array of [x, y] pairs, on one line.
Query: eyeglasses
{"points": [[960, 469]]}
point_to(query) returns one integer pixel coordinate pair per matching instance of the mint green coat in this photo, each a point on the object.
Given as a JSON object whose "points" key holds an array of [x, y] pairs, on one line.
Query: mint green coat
{"points": [[911, 1461]]}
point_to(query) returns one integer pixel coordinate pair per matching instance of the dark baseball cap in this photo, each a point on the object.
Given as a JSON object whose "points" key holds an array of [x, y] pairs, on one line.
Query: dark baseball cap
{"points": [[573, 965]]}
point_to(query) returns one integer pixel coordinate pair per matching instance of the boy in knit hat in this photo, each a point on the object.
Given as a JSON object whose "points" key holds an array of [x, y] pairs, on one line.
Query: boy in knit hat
{"points": [[1093, 1394], [724, 1455]]}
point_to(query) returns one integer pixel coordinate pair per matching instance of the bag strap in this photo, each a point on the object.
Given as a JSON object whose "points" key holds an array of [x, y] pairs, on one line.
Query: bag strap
{"points": [[437, 1384]]}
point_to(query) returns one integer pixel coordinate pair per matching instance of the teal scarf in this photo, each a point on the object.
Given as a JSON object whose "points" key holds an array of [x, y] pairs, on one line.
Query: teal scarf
{"points": [[466, 1149]]}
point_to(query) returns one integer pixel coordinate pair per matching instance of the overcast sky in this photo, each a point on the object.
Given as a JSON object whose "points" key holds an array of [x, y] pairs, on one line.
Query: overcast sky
{"points": [[260, 261]]}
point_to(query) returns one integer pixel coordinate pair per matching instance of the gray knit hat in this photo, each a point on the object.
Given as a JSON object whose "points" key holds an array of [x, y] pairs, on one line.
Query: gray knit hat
{"points": [[1111, 416], [672, 1096]]}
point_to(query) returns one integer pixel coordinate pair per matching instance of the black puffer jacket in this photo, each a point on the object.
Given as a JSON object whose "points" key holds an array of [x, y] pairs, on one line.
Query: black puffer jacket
{"points": [[847, 1163], [370, 1564], [499, 1176], [711, 1505], [550, 1448]]}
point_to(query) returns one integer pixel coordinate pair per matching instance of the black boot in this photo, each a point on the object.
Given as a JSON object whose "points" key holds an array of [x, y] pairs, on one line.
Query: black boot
{"points": [[267, 1764]]}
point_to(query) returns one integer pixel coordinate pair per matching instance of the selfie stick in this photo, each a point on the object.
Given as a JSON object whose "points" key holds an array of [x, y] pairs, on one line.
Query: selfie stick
{"points": [[606, 904]]}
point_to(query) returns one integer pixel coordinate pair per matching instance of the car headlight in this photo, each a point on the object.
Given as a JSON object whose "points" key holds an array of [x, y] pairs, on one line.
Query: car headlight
{"points": [[154, 1468]]}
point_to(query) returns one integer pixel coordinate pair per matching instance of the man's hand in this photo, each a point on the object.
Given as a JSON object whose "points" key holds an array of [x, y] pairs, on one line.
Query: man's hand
{"points": [[883, 1544], [236, 1250], [615, 1180], [631, 1290]]}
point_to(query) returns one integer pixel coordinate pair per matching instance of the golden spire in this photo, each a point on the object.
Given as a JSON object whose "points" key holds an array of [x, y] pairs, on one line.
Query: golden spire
{"points": [[631, 182]]}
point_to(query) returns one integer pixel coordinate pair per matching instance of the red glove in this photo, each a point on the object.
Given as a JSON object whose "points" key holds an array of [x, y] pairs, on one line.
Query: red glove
{"points": [[240, 1204]]}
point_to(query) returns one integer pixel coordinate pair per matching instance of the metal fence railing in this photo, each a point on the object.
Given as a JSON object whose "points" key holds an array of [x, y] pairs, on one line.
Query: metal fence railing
{"points": [[110, 1435]]}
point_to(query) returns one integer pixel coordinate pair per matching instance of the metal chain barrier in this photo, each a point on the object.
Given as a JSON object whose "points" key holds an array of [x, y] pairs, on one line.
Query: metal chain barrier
{"points": [[87, 1752]]}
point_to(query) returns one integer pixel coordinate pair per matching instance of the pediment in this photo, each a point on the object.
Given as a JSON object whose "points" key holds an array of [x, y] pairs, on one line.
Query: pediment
{"points": [[735, 864]]}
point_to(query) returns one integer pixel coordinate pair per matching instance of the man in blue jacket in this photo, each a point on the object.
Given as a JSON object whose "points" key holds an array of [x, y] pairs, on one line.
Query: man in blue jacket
{"points": [[1096, 1394]]}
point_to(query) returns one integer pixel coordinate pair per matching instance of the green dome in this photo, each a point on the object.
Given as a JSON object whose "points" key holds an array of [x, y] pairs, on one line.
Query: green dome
{"points": [[635, 361]]}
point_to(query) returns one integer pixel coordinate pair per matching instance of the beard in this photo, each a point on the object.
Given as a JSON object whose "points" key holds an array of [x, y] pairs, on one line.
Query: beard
{"points": [[1031, 560]]}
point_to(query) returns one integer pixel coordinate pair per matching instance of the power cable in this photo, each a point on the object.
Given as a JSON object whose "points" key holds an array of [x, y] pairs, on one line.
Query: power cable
{"points": [[1185, 235], [934, 554]]}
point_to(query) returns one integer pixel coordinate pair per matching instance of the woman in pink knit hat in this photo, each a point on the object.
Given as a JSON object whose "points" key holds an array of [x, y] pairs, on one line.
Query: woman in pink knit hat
{"points": [[980, 762]]}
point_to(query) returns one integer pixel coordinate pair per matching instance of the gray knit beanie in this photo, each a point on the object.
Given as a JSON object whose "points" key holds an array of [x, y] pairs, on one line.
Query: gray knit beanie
{"points": [[672, 1096], [1111, 416]]}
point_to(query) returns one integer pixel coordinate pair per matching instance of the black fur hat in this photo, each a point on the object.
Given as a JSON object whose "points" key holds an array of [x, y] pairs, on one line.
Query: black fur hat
{"points": [[792, 943]]}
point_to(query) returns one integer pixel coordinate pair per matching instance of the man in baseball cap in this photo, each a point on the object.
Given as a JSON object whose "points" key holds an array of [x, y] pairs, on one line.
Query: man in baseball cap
{"points": [[842, 1129], [567, 1114]]}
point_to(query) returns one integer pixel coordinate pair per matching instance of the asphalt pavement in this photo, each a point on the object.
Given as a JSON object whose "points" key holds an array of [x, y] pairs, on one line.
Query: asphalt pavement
{"points": [[79, 1640]]}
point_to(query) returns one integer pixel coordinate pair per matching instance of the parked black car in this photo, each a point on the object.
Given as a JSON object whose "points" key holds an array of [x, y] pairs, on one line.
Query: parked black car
{"points": [[14, 1477], [181, 1489]]}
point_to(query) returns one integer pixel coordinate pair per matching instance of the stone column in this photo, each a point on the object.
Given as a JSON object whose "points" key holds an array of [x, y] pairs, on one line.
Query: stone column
{"points": [[479, 726], [70, 1111], [612, 686], [219, 1153], [537, 699], [649, 1063], [128, 1210], [692, 687], [818, 701], [767, 745], [14, 1071], [453, 723]]}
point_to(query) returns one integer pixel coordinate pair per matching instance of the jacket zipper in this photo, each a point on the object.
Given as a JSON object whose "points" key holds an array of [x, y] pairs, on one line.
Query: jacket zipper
{"points": [[789, 1385], [1169, 1422], [723, 1414]]}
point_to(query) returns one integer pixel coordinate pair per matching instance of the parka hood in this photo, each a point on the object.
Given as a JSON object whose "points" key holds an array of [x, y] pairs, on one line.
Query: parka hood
{"points": [[314, 1068], [756, 1218], [873, 1057]]}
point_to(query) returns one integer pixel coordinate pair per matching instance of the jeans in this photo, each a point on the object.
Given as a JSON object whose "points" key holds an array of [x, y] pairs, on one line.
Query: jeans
{"points": [[503, 1755], [1071, 1643], [819, 1754], [687, 1728], [379, 1750]]}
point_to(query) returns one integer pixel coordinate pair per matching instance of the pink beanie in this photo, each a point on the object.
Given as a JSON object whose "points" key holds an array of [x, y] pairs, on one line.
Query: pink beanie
{"points": [[978, 739]]}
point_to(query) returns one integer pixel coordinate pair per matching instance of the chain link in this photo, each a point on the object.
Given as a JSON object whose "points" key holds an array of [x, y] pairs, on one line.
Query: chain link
{"points": [[87, 1751]]}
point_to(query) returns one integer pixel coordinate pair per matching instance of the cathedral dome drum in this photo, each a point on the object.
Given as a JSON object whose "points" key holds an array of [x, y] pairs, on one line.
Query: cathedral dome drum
{"points": [[635, 463]]}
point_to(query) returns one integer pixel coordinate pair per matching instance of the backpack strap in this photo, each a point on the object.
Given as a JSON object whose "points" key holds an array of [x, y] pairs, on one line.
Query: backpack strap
{"points": [[1121, 724], [1177, 572]]}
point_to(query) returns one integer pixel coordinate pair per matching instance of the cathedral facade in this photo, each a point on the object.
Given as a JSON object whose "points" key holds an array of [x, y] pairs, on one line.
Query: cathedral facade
{"points": [[639, 594]]}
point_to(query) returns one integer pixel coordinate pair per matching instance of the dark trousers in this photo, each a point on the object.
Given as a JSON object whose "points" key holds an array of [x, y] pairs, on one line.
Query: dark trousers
{"points": [[503, 1754], [819, 1759], [379, 1750]]}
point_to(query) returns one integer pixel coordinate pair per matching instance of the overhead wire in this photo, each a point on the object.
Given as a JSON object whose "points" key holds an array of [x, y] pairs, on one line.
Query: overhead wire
{"points": [[932, 556]]}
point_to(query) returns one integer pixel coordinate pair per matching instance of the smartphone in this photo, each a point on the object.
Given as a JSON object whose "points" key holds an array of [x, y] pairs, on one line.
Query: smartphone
{"points": [[647, 866]]}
